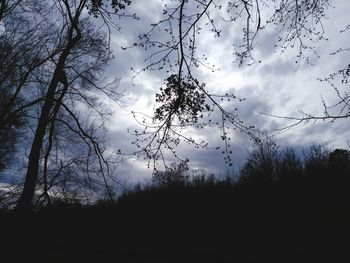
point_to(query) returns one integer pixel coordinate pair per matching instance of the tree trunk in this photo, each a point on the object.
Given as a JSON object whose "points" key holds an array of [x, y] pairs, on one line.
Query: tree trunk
{"points": [[25, 202], [2, 9]]}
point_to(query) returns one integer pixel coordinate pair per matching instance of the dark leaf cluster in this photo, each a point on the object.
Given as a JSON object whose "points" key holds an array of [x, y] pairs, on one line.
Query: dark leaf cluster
{"points": [[182, 98]]}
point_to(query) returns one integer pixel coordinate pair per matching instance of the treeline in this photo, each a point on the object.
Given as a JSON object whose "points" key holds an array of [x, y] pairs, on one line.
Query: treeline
{"points": [[284, 207], [268, 163], [275, 185]]}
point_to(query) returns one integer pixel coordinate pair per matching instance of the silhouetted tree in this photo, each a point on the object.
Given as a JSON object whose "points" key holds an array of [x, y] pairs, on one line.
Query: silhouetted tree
{"points": [[260, 167], [289, 166], [316, 160], [9, 132], [70, 75], [175, 175]]}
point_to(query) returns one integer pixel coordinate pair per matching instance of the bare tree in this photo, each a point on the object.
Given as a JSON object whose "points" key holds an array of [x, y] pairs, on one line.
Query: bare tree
{"points": [[261, 164], [68, 77]]}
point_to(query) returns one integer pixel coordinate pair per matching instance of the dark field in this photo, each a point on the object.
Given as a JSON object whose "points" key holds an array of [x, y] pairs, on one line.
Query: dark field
{"points": [[299, 221]]}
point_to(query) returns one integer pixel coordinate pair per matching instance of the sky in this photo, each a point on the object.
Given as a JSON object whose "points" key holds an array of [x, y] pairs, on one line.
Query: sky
{"points": [[277, 85]]}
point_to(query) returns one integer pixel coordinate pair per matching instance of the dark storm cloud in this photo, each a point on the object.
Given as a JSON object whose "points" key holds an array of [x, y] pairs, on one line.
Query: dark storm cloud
{"points": [[258, 101], [278, 68], [266, 43], [326, 133], [212, 160]]}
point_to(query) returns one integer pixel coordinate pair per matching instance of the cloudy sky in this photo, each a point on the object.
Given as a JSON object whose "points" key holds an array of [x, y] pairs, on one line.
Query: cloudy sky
{"points": [[278, 85]]}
